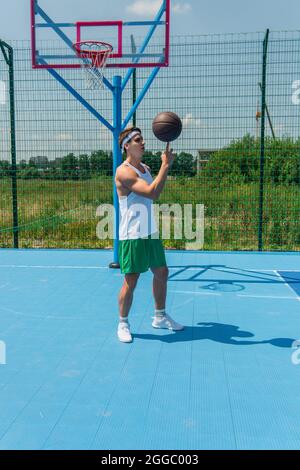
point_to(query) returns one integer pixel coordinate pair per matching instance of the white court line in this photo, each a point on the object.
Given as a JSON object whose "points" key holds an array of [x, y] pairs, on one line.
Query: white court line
{"points": [[234, 269], [106, 267], [296, 297], [267, 297], [238, 295], [194, 293], [51, 267]]}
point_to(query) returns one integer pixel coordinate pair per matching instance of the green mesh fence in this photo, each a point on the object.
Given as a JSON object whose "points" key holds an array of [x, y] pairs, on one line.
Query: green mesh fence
{"points": [[215, 84]]}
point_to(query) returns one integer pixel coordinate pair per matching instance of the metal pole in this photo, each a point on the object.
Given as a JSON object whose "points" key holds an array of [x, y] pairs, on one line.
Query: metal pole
{"points": [[262, 142], [10, 62], [117, 160], [133, 50], [134, 96]]}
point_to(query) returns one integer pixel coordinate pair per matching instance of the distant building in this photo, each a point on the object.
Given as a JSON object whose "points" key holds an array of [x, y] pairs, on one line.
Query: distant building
{"points": [[203, 157], [39, 162]]}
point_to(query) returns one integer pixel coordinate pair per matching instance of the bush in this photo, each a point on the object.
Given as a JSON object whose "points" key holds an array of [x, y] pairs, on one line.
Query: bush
{"points": [[240, 161]]}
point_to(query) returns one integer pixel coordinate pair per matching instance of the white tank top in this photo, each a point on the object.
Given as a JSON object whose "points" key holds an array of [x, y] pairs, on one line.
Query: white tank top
{"points": [[136, 212]]}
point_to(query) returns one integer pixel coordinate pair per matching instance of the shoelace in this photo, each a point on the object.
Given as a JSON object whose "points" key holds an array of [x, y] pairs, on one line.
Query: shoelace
{"points": [[124, 326], [169, 322], [166, 319]]}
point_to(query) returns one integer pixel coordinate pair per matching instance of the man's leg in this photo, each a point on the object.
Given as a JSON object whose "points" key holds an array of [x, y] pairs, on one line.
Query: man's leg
{"points": [[160, 280], [126, 294], [125, 301], [161, 319]]}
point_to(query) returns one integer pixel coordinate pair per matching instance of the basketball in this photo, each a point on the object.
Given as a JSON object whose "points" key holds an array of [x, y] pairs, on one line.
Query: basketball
{"points": [[167, 126]]}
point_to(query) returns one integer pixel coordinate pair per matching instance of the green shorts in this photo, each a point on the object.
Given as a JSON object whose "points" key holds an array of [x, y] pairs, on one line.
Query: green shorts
{"points": [[137, 256]]}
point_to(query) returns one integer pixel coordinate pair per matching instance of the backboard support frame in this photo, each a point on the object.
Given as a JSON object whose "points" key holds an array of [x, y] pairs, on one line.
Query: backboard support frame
{"points": [[117, 86]]}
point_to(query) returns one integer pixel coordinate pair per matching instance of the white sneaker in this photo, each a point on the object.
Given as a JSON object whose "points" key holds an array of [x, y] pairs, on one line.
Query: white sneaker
{"points": [[166, 322], [124, 334]]}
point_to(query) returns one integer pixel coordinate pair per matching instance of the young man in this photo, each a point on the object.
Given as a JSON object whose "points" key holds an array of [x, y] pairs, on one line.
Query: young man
{"points": [[140, 247]]}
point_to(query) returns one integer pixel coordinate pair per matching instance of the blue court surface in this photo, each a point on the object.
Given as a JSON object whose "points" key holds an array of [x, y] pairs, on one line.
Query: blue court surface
{"points": [[230, 380]]}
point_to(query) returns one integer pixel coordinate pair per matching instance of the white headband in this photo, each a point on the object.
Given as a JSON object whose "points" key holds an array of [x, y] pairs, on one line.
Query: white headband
{"points": [[129, 137]]}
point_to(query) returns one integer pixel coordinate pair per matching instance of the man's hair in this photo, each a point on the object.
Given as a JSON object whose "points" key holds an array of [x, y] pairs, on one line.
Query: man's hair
{"points": [[125, 133]]}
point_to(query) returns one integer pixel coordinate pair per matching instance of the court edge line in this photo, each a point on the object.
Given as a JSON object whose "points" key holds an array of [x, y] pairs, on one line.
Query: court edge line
{"points": [[107, 267], [296, 297], [51, 266]]}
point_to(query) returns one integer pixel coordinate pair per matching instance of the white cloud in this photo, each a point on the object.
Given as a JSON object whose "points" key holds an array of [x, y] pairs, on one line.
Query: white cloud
{"points": [[181, 8], [144, 7], [149, 8], [190, 121]]}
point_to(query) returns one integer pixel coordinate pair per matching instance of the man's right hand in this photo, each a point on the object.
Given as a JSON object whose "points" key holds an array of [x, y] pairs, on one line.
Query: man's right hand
{"points": [[168, 156]]}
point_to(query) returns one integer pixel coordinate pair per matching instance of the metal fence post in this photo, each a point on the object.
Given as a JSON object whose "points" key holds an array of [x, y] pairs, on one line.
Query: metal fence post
{"points": [[262, 142], [9, 59]]}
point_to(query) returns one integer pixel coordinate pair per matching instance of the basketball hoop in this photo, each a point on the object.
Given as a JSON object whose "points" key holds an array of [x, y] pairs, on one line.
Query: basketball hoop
{"points": [[93, 55]]}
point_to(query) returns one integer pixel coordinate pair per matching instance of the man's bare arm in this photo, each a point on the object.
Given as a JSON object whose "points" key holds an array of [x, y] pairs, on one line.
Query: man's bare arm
{"points": [[139, 186]]}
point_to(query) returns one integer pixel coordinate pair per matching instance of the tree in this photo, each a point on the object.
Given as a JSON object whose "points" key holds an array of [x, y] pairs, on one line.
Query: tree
{"points": [[69, 166], [240, 161], [5, 169], [30, 172], [84, 167], [184, 165], [101, 163]]}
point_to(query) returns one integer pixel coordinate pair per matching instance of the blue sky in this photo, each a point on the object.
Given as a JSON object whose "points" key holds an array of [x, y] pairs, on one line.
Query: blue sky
{"points": [[188, 16]]}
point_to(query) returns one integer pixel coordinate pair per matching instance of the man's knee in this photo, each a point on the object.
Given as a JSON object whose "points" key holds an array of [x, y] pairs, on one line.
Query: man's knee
{"points": [[161, 273], [131, 281]]}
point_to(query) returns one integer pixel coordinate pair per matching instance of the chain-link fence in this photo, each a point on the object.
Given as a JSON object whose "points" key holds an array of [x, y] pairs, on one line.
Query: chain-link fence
{"points": [[248, 182]]}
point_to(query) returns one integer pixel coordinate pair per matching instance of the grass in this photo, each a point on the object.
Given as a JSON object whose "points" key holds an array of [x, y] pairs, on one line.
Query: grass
{"points": [[62, 214]]}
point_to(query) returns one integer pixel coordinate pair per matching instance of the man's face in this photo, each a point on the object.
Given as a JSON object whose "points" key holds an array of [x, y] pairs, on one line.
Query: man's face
{"points": [[136, 146]]}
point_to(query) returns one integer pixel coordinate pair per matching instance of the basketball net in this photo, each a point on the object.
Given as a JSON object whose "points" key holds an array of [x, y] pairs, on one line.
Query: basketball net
{"points": [[93, 56]]}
